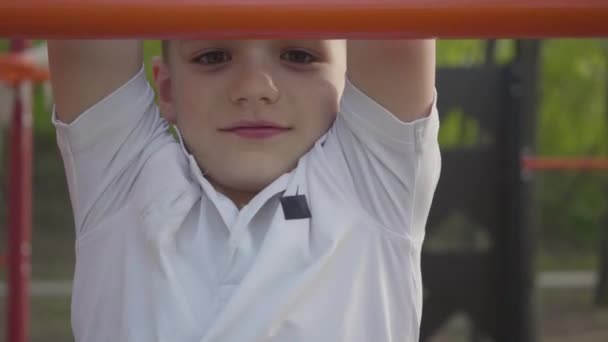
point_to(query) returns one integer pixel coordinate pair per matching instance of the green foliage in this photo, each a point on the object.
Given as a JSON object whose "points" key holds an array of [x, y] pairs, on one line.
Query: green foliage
{"points": [[573, 88], [472, 52], [459, 52], [460, 131], [572, 121], [42, 113], [151, 49]]}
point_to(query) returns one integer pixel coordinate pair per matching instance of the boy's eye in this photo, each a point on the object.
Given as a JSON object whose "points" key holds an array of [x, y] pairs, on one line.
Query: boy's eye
{"points": [[299, 57], [213, 57]]}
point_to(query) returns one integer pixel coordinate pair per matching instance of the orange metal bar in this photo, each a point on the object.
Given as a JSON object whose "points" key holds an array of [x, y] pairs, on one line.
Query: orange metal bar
{"points": [[303, 18], [564, 164]]}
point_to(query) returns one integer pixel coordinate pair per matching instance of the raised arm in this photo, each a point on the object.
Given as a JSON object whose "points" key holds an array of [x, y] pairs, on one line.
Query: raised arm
{"points": [[83, 72], [398, 74]]}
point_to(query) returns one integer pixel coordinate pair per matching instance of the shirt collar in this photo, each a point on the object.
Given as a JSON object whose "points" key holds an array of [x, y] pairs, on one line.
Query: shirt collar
{"points": [[277, 186]]}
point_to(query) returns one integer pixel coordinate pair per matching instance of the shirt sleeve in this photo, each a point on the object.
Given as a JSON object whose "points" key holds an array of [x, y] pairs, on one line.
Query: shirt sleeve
{"points": [[390, 167], [105, 145]]}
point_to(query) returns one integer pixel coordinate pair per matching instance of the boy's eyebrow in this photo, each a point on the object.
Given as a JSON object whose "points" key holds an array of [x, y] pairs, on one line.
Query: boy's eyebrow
{"points": [[219, 41], [188, 46]]}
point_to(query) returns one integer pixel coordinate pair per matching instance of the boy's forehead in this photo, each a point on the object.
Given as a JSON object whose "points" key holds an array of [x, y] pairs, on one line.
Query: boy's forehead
{"points": [[317, 43]]}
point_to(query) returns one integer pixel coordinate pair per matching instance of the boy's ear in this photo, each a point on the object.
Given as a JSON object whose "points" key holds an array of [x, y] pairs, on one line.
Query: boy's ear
{"points": [[162, 81]]}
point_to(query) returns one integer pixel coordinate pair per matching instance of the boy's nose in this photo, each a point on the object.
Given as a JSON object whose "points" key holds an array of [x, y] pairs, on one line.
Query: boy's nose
{"points": [[253, 87]]}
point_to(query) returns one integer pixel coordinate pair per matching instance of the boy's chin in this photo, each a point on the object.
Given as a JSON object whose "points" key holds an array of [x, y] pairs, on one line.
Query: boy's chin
{"points": [[252, 178]]}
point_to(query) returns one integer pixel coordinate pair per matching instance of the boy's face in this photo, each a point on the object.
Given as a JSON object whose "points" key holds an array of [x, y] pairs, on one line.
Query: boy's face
{"points": [[248, 110]]}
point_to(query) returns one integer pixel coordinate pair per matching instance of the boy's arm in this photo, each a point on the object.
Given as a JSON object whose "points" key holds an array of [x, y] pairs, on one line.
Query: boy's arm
{"points": [[83, 72], [387, 159], [398, 74], [118, 132]]}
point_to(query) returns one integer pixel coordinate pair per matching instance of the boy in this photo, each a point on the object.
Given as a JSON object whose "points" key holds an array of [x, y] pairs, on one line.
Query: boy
{"points": [[292, 208]]}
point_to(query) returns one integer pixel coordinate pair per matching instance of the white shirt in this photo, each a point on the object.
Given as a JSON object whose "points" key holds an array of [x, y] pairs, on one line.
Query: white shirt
{"points": [[162, 256]]}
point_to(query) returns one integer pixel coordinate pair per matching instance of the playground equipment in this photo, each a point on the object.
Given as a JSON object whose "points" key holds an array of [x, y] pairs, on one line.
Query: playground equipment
{"points": [[19, 73], [564, 164], [303, 18], [166, 19]]}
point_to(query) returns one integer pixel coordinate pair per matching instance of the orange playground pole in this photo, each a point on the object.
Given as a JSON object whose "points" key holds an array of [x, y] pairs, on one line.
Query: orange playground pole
{"points": [[303, 18], [565, 164]]}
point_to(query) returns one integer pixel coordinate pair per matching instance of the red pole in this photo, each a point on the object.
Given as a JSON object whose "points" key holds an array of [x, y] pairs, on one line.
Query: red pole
{"points": [[19, 210]]}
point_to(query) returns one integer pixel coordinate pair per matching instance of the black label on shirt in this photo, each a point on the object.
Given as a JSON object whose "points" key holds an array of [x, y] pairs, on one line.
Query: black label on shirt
{"points": [[295, 207]]}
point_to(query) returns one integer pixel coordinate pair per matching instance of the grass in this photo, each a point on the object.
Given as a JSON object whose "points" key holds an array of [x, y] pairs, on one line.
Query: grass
{"points": [[50, 319]]}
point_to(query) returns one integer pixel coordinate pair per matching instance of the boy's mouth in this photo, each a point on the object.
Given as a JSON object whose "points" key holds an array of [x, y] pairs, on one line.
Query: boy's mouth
{"points": [[256, 129]]}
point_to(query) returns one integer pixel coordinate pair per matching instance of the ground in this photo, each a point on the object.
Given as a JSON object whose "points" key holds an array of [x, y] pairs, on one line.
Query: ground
{"points": [[564, 315]]}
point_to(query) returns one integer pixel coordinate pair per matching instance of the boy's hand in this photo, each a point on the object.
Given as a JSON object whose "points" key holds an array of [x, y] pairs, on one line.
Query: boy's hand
{"points": [[398, 74]]}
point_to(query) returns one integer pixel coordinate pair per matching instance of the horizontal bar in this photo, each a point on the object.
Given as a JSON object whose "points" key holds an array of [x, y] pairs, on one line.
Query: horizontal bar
{"points": [[564, 164], [172, 19]]}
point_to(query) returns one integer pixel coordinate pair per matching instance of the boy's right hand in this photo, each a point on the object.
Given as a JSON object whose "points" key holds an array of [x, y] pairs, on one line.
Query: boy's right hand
{"points": [[83, 72]]}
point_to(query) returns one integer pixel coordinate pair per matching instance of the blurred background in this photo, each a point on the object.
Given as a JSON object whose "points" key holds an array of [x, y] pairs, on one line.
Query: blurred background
{"points": [[559, 217]]}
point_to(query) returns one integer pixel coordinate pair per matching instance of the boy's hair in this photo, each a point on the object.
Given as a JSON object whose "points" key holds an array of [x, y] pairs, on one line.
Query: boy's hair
{"points": [[165, 50]]}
